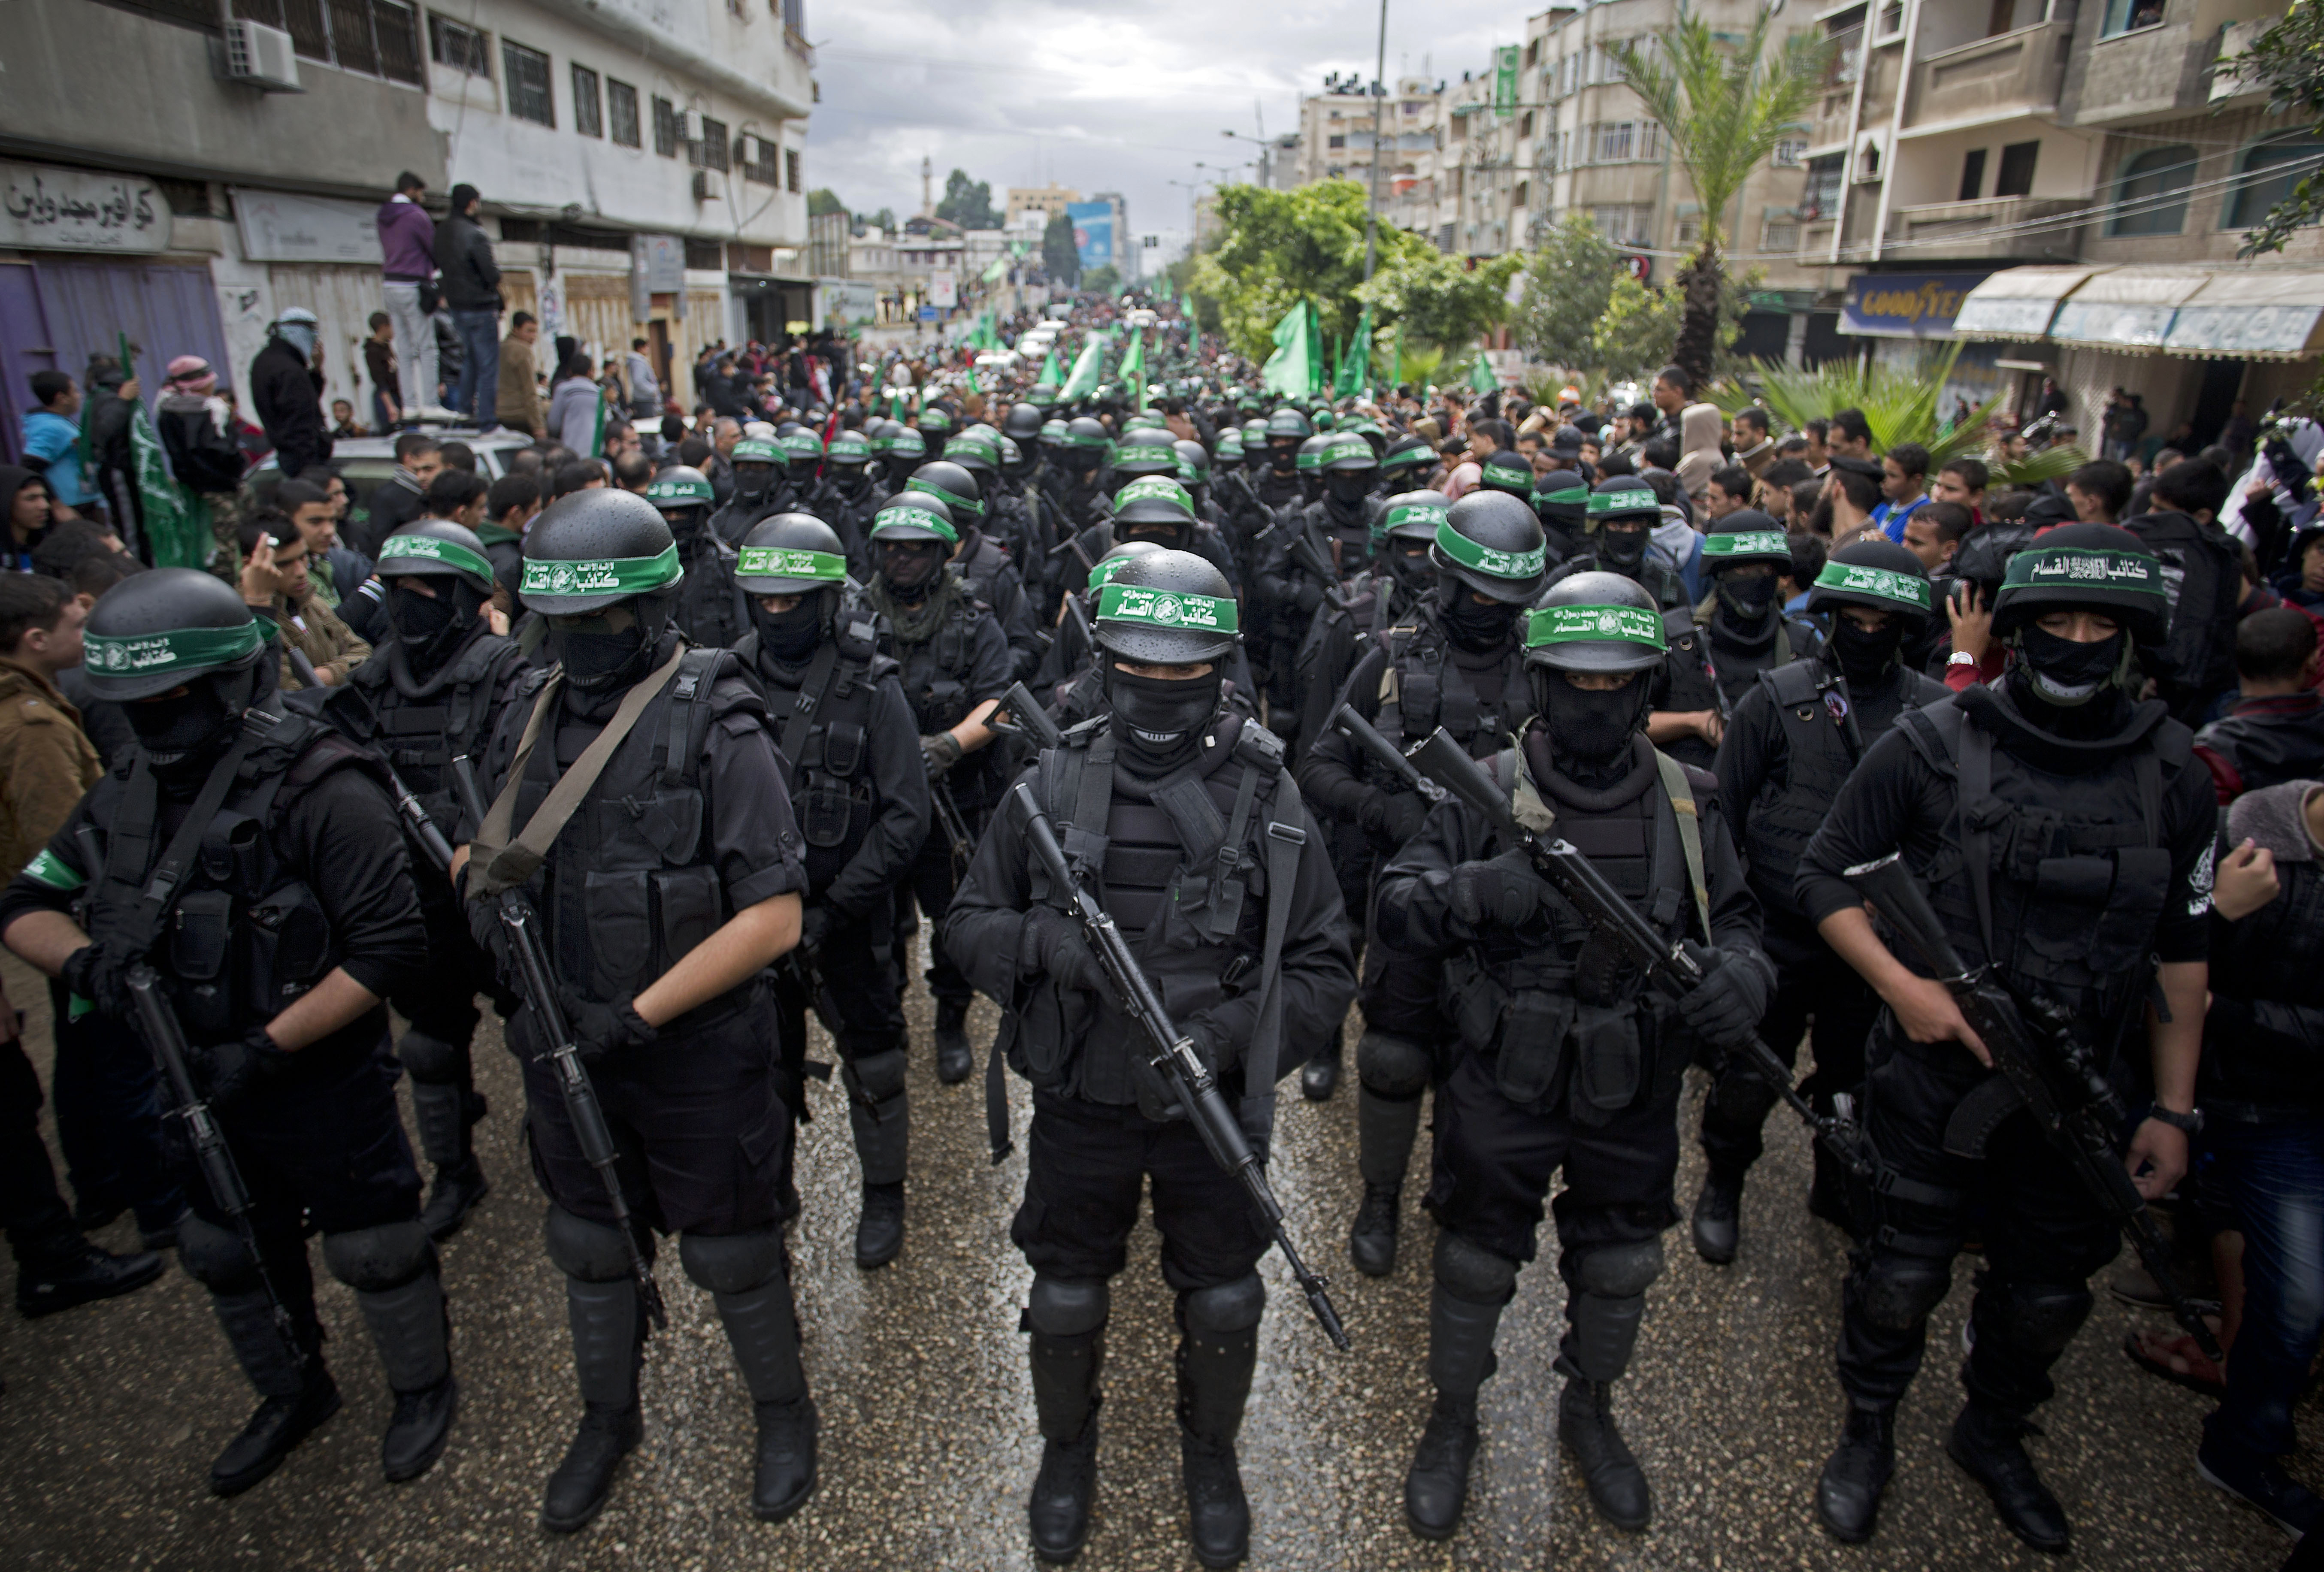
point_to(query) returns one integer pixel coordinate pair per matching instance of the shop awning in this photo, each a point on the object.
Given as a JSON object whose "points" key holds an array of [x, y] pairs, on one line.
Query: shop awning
{"points": [[2250, 313], [2017, 302], [2126, 307]]}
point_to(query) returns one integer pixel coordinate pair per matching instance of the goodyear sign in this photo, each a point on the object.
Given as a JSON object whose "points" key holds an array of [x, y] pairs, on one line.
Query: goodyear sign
{"points": [[1906, 305]]}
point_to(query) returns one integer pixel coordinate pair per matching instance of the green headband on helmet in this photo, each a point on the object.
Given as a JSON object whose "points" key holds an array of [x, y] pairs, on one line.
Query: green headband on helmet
{"points": [[1632, 500], [606, 575], [1904, 589], [2039, 567], [1748, 543], [782, 562], [803, 444], [1152, 489], [1573, 494], [968, 506], [426, 547], [1429, 513], [1101, 571], [849, 445], [1501, 564], [1595, 625], [133, 655], [683, 492], [909, 443], [1087, 439], [755, 450], [1166, 609], [903, 513], [1507, 477], [934, 419]]}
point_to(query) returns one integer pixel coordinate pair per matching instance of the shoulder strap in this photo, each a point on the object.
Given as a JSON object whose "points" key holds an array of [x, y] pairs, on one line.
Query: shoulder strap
{"points": [[685, 723], [813, 687], [1285, 838], [1092, 783], [1974, 745], [1690, 831], [169, 878], [1790, 683]]}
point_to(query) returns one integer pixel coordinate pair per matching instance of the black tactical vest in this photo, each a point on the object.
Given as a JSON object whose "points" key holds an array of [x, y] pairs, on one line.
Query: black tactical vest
{"points": [[710, 610], [451, 715], [936, 670], [1432, 690], [823, 726], [243, 937], [632, 885]]}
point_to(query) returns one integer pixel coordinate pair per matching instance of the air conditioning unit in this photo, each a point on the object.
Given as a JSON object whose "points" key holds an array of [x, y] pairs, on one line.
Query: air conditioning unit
{"points": [[703, 190], [689, 125], [748, 147], [262, 57]]}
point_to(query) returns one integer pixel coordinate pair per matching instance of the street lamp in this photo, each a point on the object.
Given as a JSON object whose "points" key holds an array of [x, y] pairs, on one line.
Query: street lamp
{"points": [[1266, 153]]}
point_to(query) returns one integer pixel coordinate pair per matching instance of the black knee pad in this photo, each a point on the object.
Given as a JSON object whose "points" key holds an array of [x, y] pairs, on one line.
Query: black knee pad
{"points": [[1065, 1307], [1898, 1292], [214, 1257], [1617, 1270], [732, 1263], [1232, 1307], [428, 1058], [1469, 1271], [374, 1260], [874, 1078], [590, 1252], [2039, 1318], [1391, 1065]]}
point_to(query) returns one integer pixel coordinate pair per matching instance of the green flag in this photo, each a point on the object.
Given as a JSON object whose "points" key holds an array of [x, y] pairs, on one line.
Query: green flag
{"points": [[1480, 375], [1133, 368], [1087, 367], [1050, 372], [1186, 306], [1293, 368], [973, 385], [1355, 369]]}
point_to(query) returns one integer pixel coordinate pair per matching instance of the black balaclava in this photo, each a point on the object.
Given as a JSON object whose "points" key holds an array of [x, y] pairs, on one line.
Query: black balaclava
{"points": [[1746, 597], [1159, 722], [1473, 625], [910, 568], [753, 481], [1624, 551], [184, 736], [1863, 656], [1283, 457], [597, 660], [1349, 487], [685, 523], [431, 628], [2069, 689], [1408, 564], [1589, 732], [790, 636]]}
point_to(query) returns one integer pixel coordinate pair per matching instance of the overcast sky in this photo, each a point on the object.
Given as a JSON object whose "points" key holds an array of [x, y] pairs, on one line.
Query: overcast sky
{"points": [[1099, 95]]}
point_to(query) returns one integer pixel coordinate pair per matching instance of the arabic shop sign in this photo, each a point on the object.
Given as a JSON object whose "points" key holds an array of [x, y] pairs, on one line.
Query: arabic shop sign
{"points": [[46, 209], [1905, 305]]}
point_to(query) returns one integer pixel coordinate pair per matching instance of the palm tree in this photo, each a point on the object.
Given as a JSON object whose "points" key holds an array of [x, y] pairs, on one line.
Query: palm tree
{"points": [[1724, 110]]}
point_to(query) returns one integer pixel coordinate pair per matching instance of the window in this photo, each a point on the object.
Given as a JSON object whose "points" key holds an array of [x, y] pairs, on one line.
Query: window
{"points": [[2268, 173], [2146, 188], [790, 170], [1789, 152], [1779, 231], [1972, 184], [459, 46], [528, 83], [755, 157], [588, 109], [1336, 141], [1524, 123], [666, 128], [710, 152], [1690, 225], [1615, 139], [1624, 226], [621, 112], [1821, 198], [2129, 16], [379, 37], [2017, 176]]}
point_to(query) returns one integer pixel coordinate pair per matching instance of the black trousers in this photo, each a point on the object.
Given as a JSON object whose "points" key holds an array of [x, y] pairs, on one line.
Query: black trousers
{"points": [[1085, 1165], [857, 968], [39, 1227], [697, 1119], [933, 879], [108, 1102], [1495, 1161], [1813, 983], [2043, 1237]]}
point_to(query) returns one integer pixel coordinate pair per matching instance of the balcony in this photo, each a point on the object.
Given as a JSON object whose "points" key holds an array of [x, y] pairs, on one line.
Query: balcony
{"points": [[1985, 229], [1999, 78], [2145, 71]]}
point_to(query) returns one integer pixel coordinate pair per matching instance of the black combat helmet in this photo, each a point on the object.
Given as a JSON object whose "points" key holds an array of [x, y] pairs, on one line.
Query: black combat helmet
{"points": [[1148, 451], [952, 485], [596, 548], [1166, 608], [1491, 542], [1595, 621], [1156, 499], [1878, 574], [2086, 568], [437, 548], [1022, 423], [1508, 471], [791, 554], [683, 495], [157, 629]]}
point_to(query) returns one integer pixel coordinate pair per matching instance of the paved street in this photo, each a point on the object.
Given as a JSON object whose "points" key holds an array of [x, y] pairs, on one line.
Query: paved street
{"points": [[112, 1413]]}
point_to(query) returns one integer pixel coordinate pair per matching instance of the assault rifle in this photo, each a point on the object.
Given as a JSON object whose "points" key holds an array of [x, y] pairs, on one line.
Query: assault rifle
{"points": [[1026, 718], [955, 829], [1672, 967], [340, 706], [2046, 1069], [529, 953], [1173, 1055], [1367, 736]]}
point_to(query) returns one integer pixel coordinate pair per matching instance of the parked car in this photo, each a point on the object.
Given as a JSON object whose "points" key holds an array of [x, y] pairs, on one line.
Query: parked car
{"points": [[365, 463]]}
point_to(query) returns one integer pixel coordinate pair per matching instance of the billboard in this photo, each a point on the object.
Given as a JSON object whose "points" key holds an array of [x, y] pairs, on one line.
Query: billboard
{"points": [[1093, 224], [1905, 305]]}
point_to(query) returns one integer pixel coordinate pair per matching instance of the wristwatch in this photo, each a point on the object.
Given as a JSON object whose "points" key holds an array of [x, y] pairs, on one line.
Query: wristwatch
{"points": [[2188, 1123], [1961, 657]]}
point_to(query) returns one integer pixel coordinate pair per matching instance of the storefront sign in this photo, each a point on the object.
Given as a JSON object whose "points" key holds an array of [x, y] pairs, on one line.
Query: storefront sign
{"points": [[1905, 305], [44, 209], [661, 260], [278, 227]]}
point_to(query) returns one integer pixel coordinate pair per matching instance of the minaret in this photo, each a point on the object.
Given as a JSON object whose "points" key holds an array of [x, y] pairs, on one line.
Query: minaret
{"points": [[927, 204]]}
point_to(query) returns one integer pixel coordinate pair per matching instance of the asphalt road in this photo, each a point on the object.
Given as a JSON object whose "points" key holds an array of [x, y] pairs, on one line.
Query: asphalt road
{"points": [[112, 1413]]}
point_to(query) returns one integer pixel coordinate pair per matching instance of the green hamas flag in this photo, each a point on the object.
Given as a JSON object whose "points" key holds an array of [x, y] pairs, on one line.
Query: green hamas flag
{"points": [[1480, 375], [597, 428], [1087, 367], [1051, 376], [1356, 367], [176, 522], [1296, 369], [1133, 368]]}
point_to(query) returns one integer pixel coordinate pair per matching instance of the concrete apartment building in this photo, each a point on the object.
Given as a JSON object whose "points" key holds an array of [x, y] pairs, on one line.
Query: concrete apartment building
{"points": [[641, 165]]}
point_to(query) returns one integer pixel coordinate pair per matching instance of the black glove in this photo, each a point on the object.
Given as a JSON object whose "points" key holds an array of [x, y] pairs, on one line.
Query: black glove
{"points": [[1501, 893], [1401, 818], [1724, 1008], [484, 923], [815, 929], [224, 1072], [1052, 943], [940, 750], [91, 972], [601, 1029]]}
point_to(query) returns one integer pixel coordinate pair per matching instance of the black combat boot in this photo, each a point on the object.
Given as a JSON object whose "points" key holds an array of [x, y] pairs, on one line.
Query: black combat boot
{"points": [[1066, 1399], [884, 1131], [1848, 1496], [297, 1392], [953, 1060], [1320, 1076], [454, 1194], [446, 1113], [1717, 1230], [1987, 1443], [763, 1331], [1371, 1238], [1216, 1355], [880, 1229], [77, 1272], [1617, 1486], [411, 1326], [1459, 1360], [785, 1476], [608, 1342]]}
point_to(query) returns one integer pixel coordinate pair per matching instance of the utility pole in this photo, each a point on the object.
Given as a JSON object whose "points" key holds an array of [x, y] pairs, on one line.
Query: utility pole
{"points": [[1379, 103], [927, 209]]}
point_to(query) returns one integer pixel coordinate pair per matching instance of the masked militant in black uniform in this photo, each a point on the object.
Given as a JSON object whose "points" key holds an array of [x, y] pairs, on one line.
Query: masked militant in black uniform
{"points": [[758, 484], [859, 792], [1566, 1061], [637, 798], [979, 562], [709, 610], [252, 858], [1189, 829], [1357, 617], [1621, 520], [1798, 733], [855, 495], [2064, 836]]}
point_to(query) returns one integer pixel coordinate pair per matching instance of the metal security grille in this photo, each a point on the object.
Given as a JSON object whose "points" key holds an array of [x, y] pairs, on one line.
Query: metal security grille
{"points": [[528, 96]]}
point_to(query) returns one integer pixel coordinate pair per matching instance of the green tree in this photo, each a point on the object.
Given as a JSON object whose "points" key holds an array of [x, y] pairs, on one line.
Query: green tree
{"points": [[2288, 60], [1275, 248], [968, 203], [823, 199], [884, 220], [1438, 298], [1568, 284], [1724, 104], [1104, 279], [1632, 336], [1059, 255]]}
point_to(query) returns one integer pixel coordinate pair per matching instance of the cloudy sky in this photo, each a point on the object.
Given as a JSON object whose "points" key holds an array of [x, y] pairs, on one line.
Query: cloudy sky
{"points": [[1099, 95]]}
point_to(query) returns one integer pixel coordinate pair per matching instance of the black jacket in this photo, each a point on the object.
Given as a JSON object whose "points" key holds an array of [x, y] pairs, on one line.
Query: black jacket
{"points": [[288, 400], [471, 278]]}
